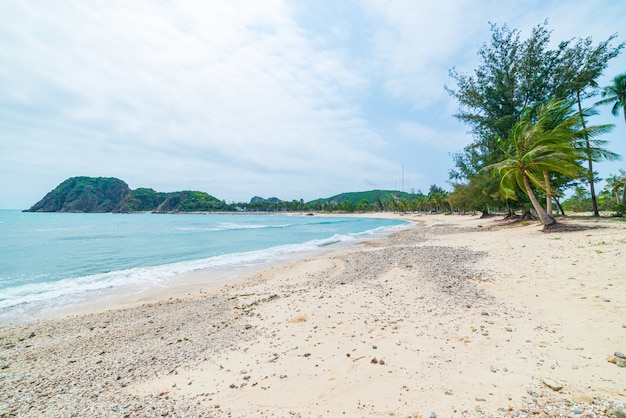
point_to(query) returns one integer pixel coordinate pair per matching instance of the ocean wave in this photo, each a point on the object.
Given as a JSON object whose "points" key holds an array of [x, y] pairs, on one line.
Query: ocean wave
{"points": [[151, 276], [230, 226]]}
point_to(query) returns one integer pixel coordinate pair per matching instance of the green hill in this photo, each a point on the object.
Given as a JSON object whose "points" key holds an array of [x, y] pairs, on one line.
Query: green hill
{"points": [[84, 194], [108, 194], [372, 197]]}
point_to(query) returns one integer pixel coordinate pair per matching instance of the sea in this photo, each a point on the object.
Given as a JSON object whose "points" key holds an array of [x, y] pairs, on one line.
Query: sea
{"points": [[52, 261]]}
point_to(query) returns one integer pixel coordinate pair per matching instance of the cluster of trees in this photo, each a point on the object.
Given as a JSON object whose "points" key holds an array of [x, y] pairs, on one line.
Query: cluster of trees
{"points": [[610, 199], [531, 135], [359, 202]]}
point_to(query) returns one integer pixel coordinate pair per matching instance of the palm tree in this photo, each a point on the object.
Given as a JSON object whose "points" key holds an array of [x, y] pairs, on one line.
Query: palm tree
{"points": [[615, 95], [546, 139], [582, 63], [615, 185]]}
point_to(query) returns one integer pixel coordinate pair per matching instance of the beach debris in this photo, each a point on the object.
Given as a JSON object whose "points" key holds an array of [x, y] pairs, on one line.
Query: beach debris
{"points": [[298, 319], [552, 384], [272, 358]]}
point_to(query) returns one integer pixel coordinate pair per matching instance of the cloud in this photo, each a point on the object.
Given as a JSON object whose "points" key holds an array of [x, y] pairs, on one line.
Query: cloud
{"points": [[236, 98], [232, 86]]}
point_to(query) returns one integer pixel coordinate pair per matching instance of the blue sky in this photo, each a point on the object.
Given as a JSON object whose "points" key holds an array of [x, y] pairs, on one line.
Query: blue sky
{"points": [[293, 99]]}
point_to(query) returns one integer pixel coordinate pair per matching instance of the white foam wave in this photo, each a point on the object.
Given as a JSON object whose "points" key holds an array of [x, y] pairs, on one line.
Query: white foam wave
{"points": [[150, 276], [230, 226]]}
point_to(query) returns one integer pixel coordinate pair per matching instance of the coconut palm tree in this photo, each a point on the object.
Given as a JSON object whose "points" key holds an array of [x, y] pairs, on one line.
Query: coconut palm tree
{"points": [[615, 184], [615, 95], [546, 139]]}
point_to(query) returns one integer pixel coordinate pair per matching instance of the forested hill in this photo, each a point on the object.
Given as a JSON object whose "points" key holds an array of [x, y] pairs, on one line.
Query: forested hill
{"points": [[371, 196], [107, 194]]}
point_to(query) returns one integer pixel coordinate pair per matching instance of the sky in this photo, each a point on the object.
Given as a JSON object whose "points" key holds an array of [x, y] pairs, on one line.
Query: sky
{"points": [[292, 99]]}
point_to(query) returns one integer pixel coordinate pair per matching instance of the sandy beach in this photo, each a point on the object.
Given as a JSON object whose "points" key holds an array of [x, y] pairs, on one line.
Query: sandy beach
{"points": [[456, 316]]}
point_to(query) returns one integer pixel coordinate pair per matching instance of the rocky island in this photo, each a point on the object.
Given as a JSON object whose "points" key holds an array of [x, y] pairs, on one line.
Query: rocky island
{"points": [[109, 194]]}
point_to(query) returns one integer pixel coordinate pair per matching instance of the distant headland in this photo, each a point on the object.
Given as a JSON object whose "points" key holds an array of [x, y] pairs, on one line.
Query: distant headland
{"points": [[112, 195]]}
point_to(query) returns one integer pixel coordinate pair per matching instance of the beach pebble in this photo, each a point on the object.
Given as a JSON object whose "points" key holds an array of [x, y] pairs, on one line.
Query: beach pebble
{"points": [[619, 354], [552, 384], [433, 415]]}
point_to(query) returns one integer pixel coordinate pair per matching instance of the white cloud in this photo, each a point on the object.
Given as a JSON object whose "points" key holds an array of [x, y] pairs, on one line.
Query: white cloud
{"points": [[231, 85], [238, 98]]}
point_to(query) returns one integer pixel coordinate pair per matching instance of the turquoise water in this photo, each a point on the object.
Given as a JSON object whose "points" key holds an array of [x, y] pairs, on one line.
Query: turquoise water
{"points": [[52, 258]]}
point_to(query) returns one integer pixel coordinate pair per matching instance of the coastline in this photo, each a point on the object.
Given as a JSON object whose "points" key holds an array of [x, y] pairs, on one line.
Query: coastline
{"points": [[461, 317], [126, 287]]}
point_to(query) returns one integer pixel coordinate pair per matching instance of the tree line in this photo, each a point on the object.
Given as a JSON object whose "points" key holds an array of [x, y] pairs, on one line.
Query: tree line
{"points": [[532, 137], [436, 200]]}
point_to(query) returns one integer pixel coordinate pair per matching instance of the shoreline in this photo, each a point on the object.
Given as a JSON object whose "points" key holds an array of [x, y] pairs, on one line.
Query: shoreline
{"points": [[463, 317], [168, 286]]}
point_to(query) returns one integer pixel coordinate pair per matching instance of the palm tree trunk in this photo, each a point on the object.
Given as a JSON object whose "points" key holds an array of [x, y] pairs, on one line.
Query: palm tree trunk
{"points": [[558, 205], [592, 189], [546, 178], [546, 219]]}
